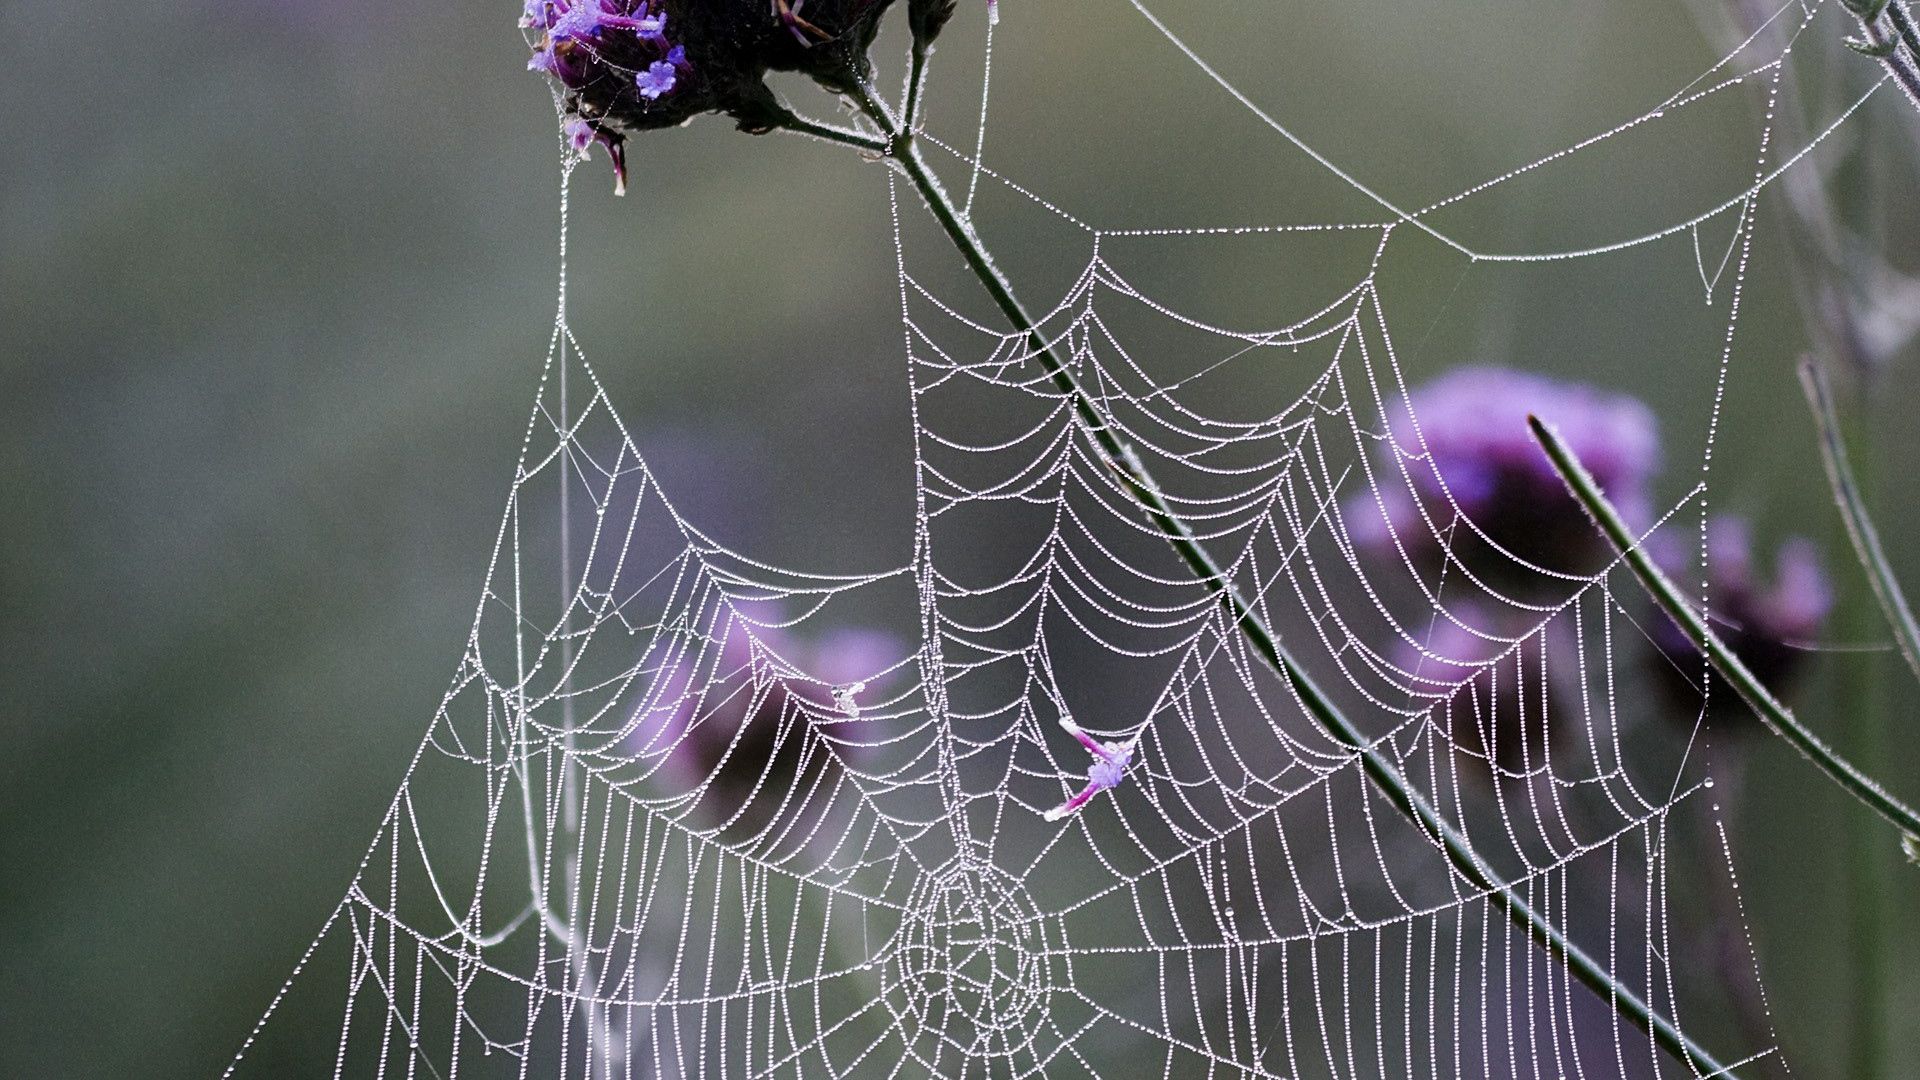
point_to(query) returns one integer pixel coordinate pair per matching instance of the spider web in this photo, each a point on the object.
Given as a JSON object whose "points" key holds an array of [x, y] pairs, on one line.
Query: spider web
{"points": [[658, 828]]}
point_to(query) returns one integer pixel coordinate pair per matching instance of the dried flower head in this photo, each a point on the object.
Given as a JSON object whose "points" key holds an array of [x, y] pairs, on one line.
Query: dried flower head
{"points": [[1109, 767], [1465, 444], [1767, 624]]}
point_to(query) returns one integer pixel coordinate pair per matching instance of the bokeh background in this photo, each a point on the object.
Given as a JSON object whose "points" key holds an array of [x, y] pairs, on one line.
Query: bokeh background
{"points": [[276, 282]]}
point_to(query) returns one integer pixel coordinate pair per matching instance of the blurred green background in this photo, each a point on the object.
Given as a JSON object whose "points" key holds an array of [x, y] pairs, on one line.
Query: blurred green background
{"points": [[276, 283]]}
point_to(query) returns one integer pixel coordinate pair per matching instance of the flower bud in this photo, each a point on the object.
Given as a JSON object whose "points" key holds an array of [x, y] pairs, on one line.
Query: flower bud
{"points": [[926, 18]]}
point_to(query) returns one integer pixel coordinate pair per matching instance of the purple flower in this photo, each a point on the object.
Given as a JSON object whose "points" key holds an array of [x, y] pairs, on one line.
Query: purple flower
{"points": [[1456, 651], [537, 13], [545, 61], [651, 27], [851, 654], [585, 20], [1489, 697], [590, 46], [659, 78], [1464, 445], [1768, 625], [1110, 761], [579, 134], [726, 713], [582, 133]]}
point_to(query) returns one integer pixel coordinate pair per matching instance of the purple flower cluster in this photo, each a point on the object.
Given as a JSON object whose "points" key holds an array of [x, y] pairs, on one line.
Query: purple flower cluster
{"points": [[1767, 624], [603, 52], [578, 36], [1464, 445]]}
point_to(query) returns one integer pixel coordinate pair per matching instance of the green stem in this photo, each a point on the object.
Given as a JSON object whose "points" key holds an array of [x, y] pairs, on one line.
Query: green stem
{"points": [[1378, 767], [859, 140], [1776, 715], [1903, 25], [1860, 695], [1874, 41], [916, 84], [1853, 510]]}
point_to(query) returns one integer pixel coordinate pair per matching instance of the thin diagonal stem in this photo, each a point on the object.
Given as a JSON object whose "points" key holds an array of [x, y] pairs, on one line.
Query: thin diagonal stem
{"points": [[1769, 708], [1377, 765], [1853, 511]]}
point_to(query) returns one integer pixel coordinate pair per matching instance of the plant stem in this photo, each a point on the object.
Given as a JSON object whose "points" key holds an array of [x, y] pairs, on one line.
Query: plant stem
{"points": [[1853, 510], [1379, 768], [916, 84], [1903, 25], [1877, 43], [1860, 695], [1776, 715], [859, 140]]}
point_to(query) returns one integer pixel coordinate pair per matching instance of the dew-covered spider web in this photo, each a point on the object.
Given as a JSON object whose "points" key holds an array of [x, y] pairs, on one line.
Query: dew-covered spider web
{"points": [[678, 817]]}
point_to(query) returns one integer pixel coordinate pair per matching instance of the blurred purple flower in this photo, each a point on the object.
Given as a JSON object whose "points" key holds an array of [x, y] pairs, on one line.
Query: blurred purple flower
{"points": [[847, 655], [1768, 625], [1465, 440], [1482, 686], [729, 711]]}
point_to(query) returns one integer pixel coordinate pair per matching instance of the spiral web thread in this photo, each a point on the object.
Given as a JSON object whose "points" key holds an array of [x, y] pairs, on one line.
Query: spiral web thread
{"points": [[648, 835]]}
